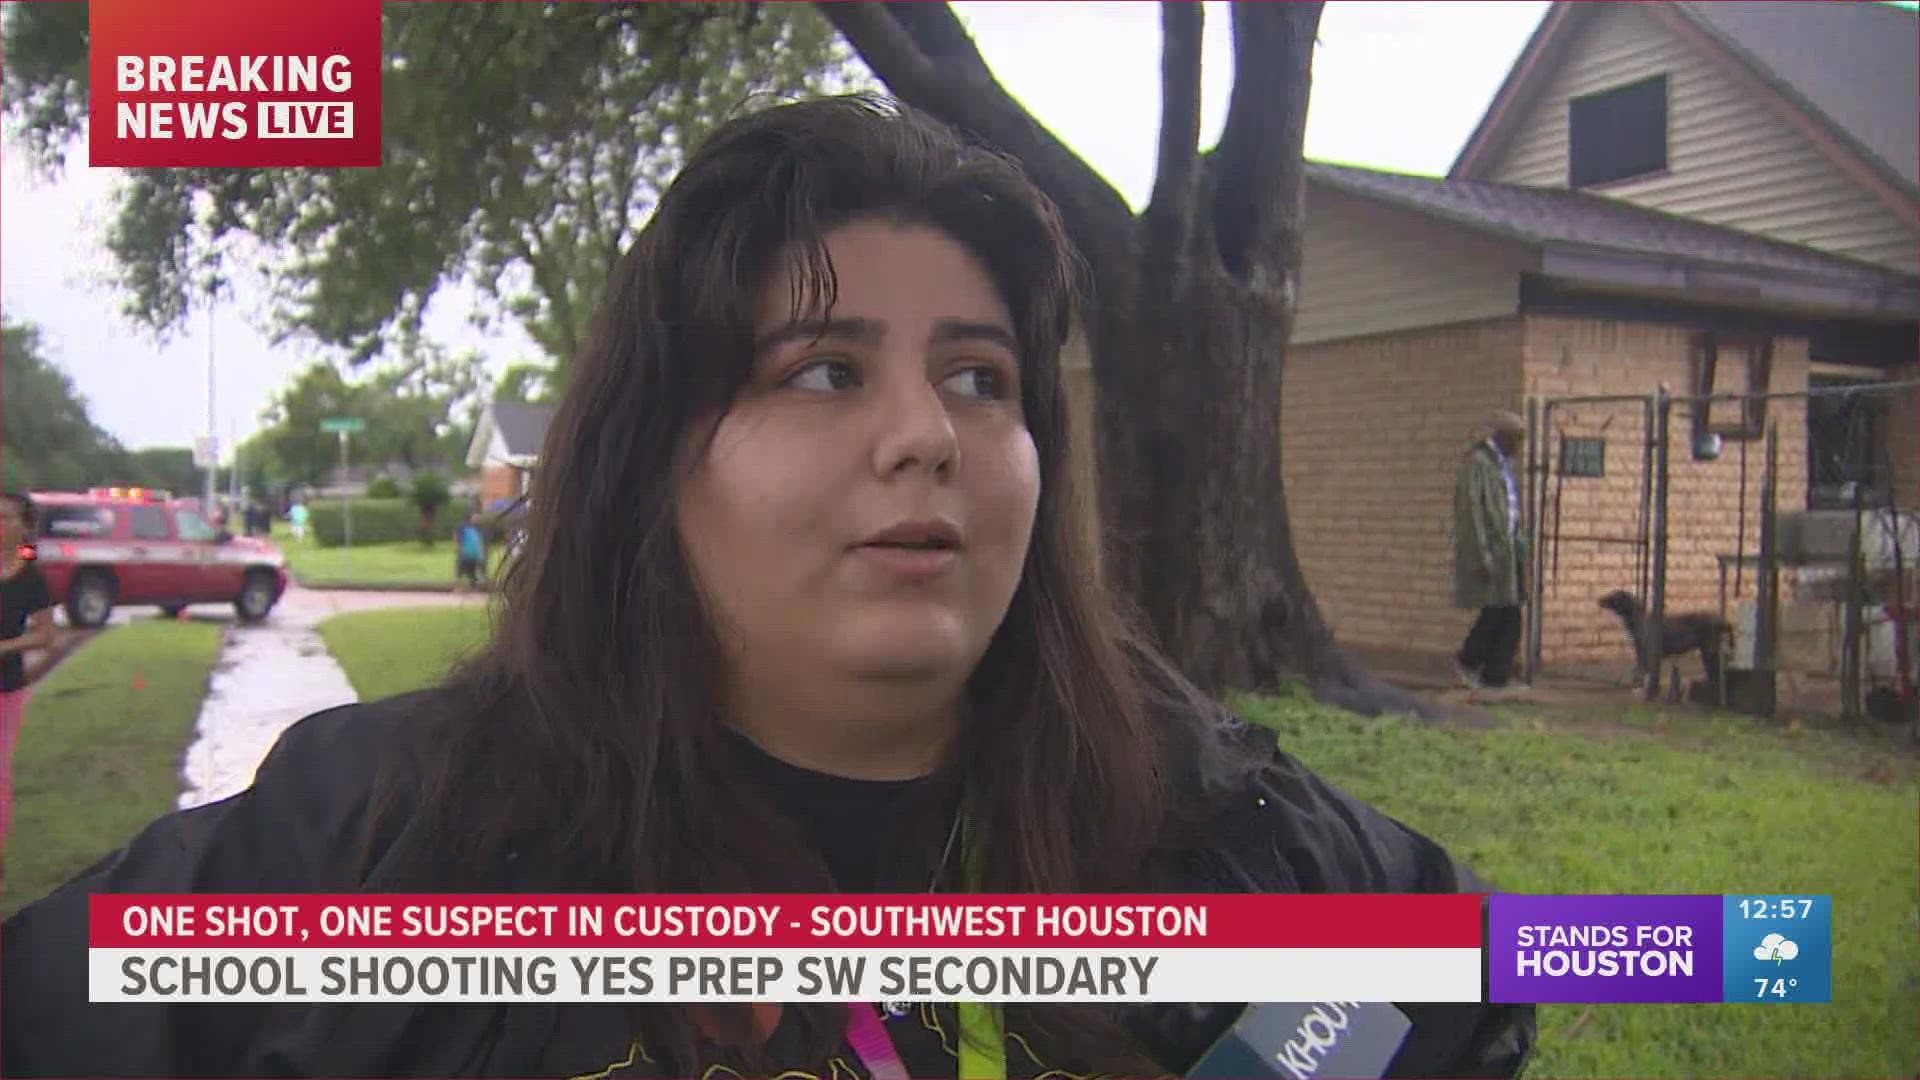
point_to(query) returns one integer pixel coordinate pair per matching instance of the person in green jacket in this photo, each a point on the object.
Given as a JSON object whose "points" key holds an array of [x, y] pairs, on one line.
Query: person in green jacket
{"points": [[1489, 553]]}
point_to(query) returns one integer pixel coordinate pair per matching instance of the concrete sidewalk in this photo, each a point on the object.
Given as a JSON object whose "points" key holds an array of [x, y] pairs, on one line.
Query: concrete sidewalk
{"points": [[270, 676]]}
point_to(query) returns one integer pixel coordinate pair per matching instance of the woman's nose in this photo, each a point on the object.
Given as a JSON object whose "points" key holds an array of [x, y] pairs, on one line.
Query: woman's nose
{"points": [[914, 428]]}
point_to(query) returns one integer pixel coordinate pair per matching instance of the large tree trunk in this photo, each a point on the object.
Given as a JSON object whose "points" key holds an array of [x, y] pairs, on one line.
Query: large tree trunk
{"points": [[1206, 554], [1191, 307]]}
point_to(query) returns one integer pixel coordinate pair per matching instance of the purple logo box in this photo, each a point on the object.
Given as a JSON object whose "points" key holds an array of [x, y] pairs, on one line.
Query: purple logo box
{"points": [[1604, 948]]}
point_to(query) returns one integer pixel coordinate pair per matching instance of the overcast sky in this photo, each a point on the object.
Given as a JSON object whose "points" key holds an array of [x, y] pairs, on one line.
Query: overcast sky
{"points": [[1396, 86]]}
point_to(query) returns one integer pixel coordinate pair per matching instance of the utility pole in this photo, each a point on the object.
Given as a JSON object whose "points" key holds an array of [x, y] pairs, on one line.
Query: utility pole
{"points": [[346, 501], [1650, 631], [344, 426], [213, 456]]}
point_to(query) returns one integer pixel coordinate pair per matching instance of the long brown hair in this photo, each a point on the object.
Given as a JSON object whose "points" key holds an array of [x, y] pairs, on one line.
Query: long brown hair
{"points": [[594, 730]]}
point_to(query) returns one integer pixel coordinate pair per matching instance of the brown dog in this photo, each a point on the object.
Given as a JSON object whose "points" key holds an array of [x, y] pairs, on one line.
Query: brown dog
{"points": [[1680, 634]]}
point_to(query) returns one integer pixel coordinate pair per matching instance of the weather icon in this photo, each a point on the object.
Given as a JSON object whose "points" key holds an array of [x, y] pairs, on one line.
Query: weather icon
{"points": [[1777, 948]]}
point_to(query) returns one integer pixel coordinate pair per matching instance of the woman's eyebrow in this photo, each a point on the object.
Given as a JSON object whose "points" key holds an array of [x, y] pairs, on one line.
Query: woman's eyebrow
{"points": [[871, 331], [811, 330], [947, 331]]}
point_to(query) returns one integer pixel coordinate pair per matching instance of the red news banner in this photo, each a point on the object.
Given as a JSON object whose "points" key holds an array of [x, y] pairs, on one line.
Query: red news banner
{"points": [[763, 947], [234, 83]]}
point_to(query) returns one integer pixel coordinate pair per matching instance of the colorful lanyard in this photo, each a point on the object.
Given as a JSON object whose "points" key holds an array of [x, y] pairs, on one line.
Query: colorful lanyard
{"points": [[868, 1037], [983, 1046], [983, 1053]]}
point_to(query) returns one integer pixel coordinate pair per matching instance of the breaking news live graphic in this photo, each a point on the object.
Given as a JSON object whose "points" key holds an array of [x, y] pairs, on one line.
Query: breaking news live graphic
{"points": [[750, 540]]}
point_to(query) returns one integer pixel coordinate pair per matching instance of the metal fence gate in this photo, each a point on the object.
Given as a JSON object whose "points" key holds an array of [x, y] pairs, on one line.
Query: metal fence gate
{"points": [[1567, 439], [1626, 522]]}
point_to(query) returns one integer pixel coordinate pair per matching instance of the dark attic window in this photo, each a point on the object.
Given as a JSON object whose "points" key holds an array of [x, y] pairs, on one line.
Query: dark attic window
{"points": [[1617, 134]]}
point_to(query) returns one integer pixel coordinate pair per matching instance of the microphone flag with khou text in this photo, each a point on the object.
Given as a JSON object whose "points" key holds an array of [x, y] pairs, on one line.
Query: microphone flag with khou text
{"points": [[234, 84], [1310, 1039]]}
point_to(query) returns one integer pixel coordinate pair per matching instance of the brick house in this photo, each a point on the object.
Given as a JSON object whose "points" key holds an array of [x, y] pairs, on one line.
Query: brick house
{"points": [[506, 449], [1654, 184]]}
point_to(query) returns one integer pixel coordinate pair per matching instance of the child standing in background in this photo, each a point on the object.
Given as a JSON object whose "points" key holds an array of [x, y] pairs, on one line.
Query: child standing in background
{"points": [[471, 560]]}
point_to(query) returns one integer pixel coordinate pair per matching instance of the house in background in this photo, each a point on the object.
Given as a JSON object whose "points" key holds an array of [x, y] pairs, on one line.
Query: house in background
{"points": [[1718, 195], [506, 449]]}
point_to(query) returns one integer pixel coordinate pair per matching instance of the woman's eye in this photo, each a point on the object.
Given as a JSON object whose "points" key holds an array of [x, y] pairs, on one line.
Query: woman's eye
{"points": [[978, 382], [825, 376]]}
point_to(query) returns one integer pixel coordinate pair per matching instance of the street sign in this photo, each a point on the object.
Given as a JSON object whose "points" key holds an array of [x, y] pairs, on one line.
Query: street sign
{"points": [[206, 451], [349, 424]]}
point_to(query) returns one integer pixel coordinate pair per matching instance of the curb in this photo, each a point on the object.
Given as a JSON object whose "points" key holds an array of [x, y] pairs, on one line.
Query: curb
{"points": [[385, 586]]}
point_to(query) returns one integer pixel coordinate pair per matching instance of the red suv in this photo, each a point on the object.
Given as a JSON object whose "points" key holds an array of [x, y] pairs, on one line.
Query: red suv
{"points": [[136, 546]]}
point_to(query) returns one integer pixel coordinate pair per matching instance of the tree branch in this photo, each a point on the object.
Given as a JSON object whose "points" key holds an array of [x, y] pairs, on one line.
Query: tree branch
{"points": [[1257, 191], [1170, 212], [615, 232], [939, 35], [552, 284], [925, 57], [590, 155], [891, 52]]}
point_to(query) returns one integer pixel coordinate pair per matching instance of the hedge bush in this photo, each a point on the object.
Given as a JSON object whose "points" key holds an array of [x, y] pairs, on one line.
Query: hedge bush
{"points": [[376, 521]]}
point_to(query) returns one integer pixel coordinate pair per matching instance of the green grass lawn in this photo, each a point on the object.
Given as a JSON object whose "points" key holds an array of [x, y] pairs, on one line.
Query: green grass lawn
{"points": [[400, 649], [406, 563], [99, 757], [1649, 802]]}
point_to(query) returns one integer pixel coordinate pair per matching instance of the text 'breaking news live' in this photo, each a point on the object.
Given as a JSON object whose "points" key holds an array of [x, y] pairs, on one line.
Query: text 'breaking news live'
{"points": [[841, 619]]}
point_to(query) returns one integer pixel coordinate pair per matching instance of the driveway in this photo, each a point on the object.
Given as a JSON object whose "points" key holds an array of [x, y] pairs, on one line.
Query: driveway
{"points": [[269, 676]]}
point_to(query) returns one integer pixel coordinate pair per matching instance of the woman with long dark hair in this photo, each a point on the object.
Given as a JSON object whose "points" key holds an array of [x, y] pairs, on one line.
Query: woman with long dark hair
{"points": [[805, 605]]}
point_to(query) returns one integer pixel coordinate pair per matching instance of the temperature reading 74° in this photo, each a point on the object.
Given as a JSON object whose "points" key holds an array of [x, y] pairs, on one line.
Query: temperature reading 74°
{"points": [[1776, 987]]}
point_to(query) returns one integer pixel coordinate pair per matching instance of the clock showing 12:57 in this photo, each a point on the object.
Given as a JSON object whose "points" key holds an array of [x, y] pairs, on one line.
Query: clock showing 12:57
{"points": [[1778, 948], [1776, 907]]}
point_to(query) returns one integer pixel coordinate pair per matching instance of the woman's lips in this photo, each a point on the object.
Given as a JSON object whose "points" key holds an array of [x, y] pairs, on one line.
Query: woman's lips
{"points": [[908, 563]]}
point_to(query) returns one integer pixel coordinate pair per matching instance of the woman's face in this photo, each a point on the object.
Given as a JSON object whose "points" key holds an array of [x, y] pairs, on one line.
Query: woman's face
{"points": [[865, 506]]}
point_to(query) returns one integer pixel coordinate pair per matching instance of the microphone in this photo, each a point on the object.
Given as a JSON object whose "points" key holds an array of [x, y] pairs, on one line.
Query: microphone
{"points": [[1309, 1040]]}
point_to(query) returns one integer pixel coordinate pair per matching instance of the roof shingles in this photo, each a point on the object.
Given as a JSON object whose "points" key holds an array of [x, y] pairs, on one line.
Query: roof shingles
{"points": [[522, 427], [1855, 64], [1558, 216]]}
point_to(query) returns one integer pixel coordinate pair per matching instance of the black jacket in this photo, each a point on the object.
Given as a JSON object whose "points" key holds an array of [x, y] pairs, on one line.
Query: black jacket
{"points": [[300, 828]]}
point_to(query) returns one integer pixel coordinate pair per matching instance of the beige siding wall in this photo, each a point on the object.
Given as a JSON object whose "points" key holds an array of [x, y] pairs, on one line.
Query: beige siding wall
{"points": [[1583, 356], [1732, 160], [1369, 269], [1371, 431]]}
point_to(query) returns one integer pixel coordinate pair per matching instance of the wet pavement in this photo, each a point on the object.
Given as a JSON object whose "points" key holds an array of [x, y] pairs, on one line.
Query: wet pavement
{"points": [[269, 676]]}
